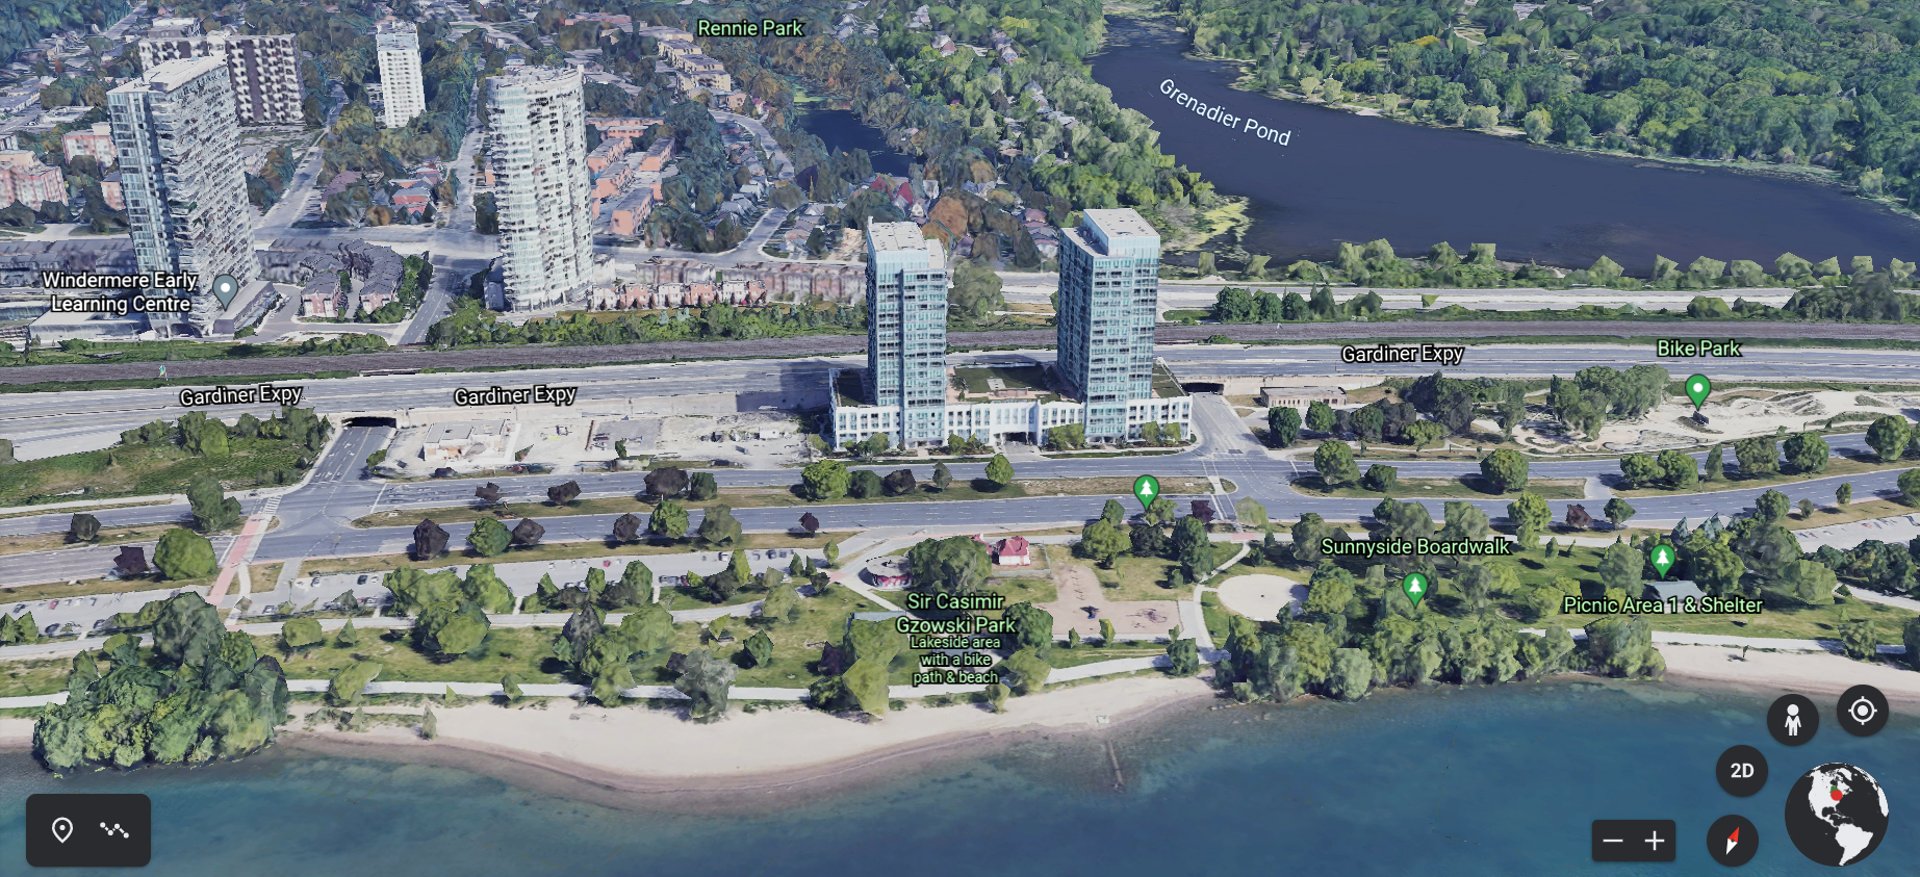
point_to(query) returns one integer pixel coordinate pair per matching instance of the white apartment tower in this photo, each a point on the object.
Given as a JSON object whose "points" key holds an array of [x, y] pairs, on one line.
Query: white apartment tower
{"points": [[1109, 289], [264, 69], [907, 329], [182, 178], [397, 44], [537, 147]]}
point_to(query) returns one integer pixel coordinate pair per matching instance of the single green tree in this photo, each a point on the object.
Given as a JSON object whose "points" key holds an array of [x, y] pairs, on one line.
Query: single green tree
{"points": [[183, 554], [825, 480], [489, 538], [718, 527], [668, 520], [1619, 512], [1505, 470], [83, 528], [298, 634], [1283, 426], [999, 471], [1334, 462]]}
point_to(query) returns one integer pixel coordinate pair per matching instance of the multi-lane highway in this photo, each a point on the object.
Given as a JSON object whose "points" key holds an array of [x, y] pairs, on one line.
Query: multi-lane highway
{"points": [[41, 424], [316, 518], [1552, 332]]}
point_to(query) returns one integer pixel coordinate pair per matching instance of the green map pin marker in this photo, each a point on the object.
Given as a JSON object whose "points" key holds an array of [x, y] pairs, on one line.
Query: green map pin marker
{"points": [[1662, 558], [1415, 586], [1147, 488], [1697, 389]]}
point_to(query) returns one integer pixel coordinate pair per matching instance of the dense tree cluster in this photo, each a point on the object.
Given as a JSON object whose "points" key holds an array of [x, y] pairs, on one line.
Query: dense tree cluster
{"points": [[471, 323], [201, 693]]}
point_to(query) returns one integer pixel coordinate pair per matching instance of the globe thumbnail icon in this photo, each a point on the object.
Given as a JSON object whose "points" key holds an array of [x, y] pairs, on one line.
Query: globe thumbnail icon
{"points": [[1836, 814]]}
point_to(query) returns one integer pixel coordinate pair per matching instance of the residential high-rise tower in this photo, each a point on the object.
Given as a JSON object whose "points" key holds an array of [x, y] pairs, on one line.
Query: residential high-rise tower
{"points": [[907, 329], [264, 69], [537, 148], [1109, 287], [183, 182], [397, 44]]}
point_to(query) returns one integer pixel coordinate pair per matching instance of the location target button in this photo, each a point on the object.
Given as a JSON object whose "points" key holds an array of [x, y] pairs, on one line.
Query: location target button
{"points": [[1862, 711]]}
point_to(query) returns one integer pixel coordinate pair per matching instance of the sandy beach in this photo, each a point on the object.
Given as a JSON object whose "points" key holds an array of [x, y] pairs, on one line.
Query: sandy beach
{"points": [[635, 756], [1780, 672]]}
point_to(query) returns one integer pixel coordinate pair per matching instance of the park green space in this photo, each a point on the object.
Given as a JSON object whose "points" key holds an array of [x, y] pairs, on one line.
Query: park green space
{"points": [[796, 644], [37, 676], [141, 470], [1778, 621]]}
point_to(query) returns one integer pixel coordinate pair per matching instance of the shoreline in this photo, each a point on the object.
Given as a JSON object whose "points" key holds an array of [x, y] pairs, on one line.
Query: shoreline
{"points": [[747, 760], [636, 758]]}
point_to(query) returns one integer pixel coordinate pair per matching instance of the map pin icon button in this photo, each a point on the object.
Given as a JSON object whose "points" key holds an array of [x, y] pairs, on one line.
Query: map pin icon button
{"points": [[62, 829]]}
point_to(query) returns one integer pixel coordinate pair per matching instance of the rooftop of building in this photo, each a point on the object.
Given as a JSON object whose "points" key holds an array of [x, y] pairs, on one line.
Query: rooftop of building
{"points": [[1165, 385], [1110, 231], [169, 75], [849, 389], [394, 25], [1119, 222], [530, 75], [995, 383], [900, 237]]}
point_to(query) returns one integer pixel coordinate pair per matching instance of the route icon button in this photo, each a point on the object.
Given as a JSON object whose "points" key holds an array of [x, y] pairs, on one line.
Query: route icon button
{"points": [[1741, 771], [1793, 720]]}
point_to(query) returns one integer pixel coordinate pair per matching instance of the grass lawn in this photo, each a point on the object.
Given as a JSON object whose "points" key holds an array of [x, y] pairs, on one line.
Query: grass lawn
{"points": [[39, 676], [1465, 487], [1035, 589], [1088, 654], [1216, 616], [54, 541], [796, 644], [1828, 515], [95, 587], [553, 551], [524, 651], [1790, 622], [142, 470], [1137, 578]]}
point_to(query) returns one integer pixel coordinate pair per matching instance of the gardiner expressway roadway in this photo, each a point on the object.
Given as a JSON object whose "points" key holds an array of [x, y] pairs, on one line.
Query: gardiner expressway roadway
{"points": [[42, 424], [315, 519]]}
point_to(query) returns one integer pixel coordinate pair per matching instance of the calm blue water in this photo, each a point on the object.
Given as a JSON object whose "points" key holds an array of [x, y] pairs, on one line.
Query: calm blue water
{"points": [[1480, 782], [841, 129]]}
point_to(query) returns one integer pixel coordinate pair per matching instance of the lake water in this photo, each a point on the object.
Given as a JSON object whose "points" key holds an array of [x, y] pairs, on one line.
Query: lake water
{"points": [[843, 130], [1451, 783], [1344, 177]]}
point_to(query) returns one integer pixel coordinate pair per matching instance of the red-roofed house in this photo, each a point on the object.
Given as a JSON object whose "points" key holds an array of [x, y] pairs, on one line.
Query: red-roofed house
{"points": [[1012, 551]]}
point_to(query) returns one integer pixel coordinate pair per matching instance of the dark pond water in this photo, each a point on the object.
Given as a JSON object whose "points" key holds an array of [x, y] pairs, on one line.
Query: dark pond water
{"points": [[1343, 177], [841, 129]]}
